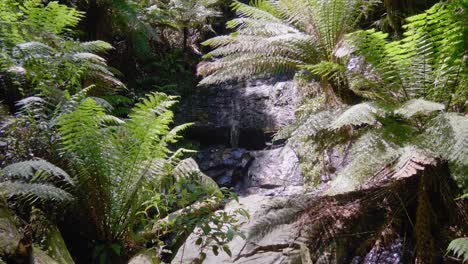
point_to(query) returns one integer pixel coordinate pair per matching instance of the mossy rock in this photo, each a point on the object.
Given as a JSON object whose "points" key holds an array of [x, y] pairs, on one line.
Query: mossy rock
{"points": [[41, 257], [49, 239], [10, 235]]}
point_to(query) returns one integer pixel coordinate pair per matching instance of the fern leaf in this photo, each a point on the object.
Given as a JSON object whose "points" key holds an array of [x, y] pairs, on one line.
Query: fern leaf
{"points": [[356, 115], [459, 247], [26, 170], [34, 193], [415, 107], [447, 135], [273, 37], [97, 46]]}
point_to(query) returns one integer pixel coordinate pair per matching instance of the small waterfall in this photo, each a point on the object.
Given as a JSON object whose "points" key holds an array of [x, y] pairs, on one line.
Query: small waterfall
{"points": [[235, 117]]}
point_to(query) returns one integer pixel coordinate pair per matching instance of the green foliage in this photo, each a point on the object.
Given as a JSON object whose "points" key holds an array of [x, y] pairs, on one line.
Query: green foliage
{"points": [[188, 17], [119, 163], [213, 229], [371, 135], [31, 20], [459, 247], [430, 61], [38, 54], [35, 183], [28, 134]]}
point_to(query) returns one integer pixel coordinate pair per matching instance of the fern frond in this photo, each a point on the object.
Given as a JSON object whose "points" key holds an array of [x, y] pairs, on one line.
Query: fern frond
{"points": [[278, 37], [369, 153], [278, 212], [429, 62], [97, 46], [54, 18], [34, 193], [357, 115], [27, 170], [189, 168], [120, 161], [415, 107], [447, 135], [459, 247]]}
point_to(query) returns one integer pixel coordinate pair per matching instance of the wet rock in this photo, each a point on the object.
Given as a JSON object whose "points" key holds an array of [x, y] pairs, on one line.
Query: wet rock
{"points": [[9, 232], [225, 165], [246, 111]]}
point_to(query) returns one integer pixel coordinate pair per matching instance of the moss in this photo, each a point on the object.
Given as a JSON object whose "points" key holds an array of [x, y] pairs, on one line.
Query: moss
{"points": [[49, 238], [41, 257]]}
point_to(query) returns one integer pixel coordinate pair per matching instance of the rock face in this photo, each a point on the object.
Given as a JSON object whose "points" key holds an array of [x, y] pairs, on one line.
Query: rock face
{"points": [[234, 123], [240, 115], [240, 168], [274, 168], [254, 204]]}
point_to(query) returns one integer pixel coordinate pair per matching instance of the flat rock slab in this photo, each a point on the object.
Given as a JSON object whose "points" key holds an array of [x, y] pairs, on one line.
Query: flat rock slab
{"points": [[254, 204]]}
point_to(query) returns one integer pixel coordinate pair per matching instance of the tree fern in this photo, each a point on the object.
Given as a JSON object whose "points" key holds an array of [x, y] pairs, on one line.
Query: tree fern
{"points": [[447, 135], [36, 170], [415, 107], [119, 165], [37, 40], [67, 66], [275, 36]]}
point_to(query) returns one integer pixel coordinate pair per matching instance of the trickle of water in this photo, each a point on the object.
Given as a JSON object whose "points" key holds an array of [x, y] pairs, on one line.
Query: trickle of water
{"points": [[234, 133]]}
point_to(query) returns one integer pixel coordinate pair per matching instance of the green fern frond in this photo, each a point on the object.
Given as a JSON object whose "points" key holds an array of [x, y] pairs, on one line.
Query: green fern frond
{"points": [[357, 115], [97, 46], [34, 193], [328, 69], [415, 107], [279, 37], [369, 153], [280, 211], [459, 247], [429, 62], [189, 168], [29, 170], [447, 135], [54, 18], [35, 48], [120, 161]]}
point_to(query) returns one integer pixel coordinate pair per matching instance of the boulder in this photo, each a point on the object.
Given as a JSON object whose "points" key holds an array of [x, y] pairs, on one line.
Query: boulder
{"points": [[10, 235], [227, 166], [145, 257], [48, 239], [275, 168], [41, 257]]}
